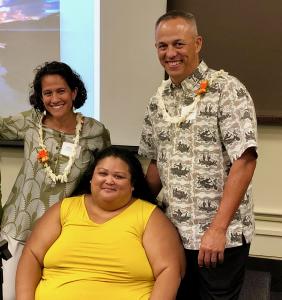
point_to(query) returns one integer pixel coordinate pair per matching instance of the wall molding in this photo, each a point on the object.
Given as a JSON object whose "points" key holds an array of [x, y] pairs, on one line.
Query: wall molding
{"points": [[268, 216]]}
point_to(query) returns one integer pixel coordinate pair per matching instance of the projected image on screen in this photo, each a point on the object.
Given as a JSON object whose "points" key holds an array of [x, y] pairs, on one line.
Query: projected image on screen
{"points": [[29, 36]]}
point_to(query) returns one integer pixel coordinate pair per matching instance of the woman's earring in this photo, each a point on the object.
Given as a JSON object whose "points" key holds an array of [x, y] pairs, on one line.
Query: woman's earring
{"points": [[44, 113]]}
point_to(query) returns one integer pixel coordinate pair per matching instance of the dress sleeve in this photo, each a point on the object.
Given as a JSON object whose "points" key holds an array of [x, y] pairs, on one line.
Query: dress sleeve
{"points": [[237, 118], [65, 209], [147, 210], [15, 127], [72, 208], [142, 213], [96, 136], [106, 138]]}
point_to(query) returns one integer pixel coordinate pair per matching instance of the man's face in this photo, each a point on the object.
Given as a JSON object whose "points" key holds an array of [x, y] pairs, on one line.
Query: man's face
{"points": [[178, 48]]}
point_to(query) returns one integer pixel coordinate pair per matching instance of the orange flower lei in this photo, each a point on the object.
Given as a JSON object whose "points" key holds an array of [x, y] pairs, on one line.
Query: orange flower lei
{"points": [[42, 155], [203, 87]]}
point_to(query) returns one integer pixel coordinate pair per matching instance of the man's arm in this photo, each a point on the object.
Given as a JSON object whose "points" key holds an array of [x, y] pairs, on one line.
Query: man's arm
{"points": [[214, 239], [153, 178]]}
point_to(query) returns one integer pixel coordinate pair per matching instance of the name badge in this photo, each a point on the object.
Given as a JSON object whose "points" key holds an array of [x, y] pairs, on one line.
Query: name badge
{"points": [[67, 149]]}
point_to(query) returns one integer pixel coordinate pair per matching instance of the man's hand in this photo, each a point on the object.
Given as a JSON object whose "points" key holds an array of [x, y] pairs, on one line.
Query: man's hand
{"points": [[212, 247]]}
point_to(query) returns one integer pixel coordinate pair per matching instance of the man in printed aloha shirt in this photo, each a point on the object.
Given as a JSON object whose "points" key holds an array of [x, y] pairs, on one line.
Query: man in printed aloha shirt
{"points": [[200, 134]]}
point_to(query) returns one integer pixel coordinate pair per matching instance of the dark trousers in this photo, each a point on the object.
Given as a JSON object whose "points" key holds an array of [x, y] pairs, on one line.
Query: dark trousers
{"points": [[221, 283]]}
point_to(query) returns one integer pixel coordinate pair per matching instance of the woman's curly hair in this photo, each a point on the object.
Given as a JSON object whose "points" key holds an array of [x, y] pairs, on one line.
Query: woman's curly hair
{"points": [[56, 68]]}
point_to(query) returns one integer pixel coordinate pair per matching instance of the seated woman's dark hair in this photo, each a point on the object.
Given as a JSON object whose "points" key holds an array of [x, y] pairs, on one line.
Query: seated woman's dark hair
{"points": [[56, 68], [138, 180]]}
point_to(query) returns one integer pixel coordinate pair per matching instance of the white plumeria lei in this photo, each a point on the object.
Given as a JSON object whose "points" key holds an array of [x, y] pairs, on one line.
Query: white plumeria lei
{"points": [[62, 177], [190, 109]]}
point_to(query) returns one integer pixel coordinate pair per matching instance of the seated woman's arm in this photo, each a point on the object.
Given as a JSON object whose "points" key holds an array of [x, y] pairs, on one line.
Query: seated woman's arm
{"points": [[29, 270], [166, 255]]}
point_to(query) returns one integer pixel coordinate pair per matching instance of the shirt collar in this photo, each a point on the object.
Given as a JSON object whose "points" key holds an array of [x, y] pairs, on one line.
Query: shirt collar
{"points": [[191, 81]]}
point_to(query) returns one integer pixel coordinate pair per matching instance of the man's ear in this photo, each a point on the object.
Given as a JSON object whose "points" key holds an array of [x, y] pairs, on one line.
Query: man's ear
{"points": [[198, 43]]}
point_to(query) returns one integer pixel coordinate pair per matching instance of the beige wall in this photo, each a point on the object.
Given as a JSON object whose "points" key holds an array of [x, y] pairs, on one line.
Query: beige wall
{"points": [[267, 180], [267, 194], [130, 72]]}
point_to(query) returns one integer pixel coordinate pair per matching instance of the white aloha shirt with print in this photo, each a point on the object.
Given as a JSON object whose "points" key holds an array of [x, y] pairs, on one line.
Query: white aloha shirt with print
{"points": [[194, 157]]}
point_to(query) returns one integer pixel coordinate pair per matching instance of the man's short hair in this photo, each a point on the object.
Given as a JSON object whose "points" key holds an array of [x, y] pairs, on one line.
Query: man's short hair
{"points": [[174, 14]]}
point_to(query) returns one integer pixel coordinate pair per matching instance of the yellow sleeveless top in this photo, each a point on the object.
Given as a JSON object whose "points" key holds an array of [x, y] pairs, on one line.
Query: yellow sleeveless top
{"points": [[98, 261]]}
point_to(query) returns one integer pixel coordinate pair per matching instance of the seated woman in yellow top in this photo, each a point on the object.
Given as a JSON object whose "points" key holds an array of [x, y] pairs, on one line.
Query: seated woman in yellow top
{"points": [[107, 245]]}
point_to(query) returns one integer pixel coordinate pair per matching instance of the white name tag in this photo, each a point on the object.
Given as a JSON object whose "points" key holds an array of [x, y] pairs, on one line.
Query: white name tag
{"points": [[67, 149]]}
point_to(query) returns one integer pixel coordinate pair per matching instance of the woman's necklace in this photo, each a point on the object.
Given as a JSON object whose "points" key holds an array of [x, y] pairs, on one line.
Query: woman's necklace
{"points": [[190, 110], [43, 155]]}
